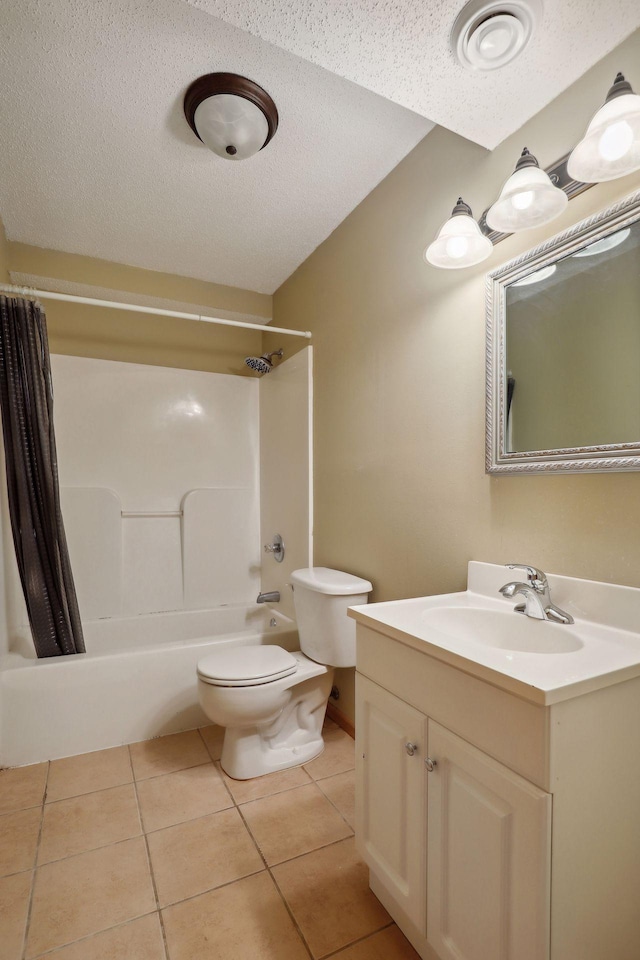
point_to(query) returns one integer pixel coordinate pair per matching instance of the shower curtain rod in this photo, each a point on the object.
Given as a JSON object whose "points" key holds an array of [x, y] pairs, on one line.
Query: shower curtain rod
{"points": [[32, 294]]}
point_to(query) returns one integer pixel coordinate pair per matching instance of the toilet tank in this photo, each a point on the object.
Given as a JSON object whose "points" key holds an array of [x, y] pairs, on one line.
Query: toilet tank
{"points": [[322, 597]]}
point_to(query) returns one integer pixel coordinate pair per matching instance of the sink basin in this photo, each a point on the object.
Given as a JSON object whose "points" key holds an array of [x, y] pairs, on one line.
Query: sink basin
{"points": [[502, 630], [478, 631]]}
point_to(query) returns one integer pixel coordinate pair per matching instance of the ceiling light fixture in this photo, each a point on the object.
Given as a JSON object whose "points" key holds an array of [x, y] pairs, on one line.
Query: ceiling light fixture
{"points": [[488, 34], [459, 243], [611, 146], [528, 198], [232, 115]]}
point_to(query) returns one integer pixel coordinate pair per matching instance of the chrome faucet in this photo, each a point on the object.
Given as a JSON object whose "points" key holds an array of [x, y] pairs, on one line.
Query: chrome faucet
{"points": [[272, 597], [537, 599]]}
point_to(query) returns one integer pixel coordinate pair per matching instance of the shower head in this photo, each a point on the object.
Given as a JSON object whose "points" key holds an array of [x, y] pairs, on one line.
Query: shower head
{"points": [[262, 364]]}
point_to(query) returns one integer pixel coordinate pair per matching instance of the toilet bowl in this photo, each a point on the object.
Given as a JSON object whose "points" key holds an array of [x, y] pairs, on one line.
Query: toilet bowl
{"points": [[271, 702]]}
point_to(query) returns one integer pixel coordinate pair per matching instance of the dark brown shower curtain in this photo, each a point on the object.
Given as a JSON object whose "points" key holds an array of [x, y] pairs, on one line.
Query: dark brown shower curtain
{"points": [[32, 479]]}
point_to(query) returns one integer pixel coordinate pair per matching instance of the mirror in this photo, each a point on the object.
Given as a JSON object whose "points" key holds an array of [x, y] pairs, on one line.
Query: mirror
{"points": [[563, 350]]}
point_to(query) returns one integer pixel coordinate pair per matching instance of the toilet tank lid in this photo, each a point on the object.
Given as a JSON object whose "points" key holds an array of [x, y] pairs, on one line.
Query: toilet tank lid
{"points": [[334, 582]]}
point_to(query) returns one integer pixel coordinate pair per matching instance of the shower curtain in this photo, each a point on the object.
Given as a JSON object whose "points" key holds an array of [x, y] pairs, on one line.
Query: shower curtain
{"points": [[26, 397]]}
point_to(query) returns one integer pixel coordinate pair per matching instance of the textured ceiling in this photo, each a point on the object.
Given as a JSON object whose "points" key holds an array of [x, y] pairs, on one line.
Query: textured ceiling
{"points": [[96, 157], [400, 49]]}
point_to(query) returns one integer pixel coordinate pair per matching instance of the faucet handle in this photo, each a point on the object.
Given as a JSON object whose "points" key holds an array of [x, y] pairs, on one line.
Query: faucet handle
{"points": [[533, 574]]}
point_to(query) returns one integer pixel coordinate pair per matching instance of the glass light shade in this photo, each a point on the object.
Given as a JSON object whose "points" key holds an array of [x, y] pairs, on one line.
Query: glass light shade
{"points": [[231, 126], [611, 146], [528, 199], [460, 242]]}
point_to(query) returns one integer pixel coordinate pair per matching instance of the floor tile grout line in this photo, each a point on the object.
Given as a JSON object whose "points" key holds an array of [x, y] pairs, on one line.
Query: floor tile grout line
{"points": [[275, 883], [89, 793], [12, 813], [203, 893], [336, 808], [89, 936], [181, 823], [27, 925], [152, 876], [298, 856], [353, 943], [167, 773], [267, 796], [291, 914]]}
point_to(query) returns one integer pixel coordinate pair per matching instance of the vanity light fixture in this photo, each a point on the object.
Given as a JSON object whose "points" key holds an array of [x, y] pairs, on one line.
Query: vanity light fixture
{"points": [[460, 242], [232, 115], [611, 146], [528, 198], [532, 197]]}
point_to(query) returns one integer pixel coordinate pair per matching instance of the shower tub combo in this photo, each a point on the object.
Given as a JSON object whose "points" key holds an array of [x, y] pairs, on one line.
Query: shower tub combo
{"points": [[137, 680]]}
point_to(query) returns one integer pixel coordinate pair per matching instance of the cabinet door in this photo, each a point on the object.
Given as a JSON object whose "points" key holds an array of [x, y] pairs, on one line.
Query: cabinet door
{"points": [[488, 853], [390, 801]]}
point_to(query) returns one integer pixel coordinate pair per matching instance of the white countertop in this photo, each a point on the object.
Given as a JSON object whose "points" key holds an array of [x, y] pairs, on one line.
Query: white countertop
{"points": [[541, 661]]}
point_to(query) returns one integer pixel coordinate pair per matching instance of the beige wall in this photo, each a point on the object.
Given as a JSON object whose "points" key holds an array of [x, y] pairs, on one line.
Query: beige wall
{"points": [[401, 496], [138, 338]]}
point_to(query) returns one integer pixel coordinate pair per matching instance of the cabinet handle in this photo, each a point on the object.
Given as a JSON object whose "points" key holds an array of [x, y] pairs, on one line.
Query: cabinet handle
{"points": [[430, 764], [411, 748]]}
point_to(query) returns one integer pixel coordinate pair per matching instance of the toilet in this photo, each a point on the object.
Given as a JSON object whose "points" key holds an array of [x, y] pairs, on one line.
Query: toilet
{"points": [[272, 702]]}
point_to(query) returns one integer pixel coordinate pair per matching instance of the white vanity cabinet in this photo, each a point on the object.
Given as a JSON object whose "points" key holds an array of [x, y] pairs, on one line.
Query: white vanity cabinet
{"points": [[523, 842], [459, 842]]}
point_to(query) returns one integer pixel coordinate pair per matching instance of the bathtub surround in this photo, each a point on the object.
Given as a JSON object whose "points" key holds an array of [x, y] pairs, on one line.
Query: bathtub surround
{"points": [[401, 495], [32, 480], [159, 477], [286, 470], [161, 494]]}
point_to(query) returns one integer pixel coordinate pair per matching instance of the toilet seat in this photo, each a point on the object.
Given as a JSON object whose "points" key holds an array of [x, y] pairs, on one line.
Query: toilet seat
{"points": [[246, 666]]}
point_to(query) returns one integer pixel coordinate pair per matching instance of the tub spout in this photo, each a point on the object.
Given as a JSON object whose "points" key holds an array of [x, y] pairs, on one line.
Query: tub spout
{"points": [[272, 597]]}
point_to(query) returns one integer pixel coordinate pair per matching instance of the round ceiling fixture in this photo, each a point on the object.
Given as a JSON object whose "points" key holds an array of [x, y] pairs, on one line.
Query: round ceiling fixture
{"points": [[488, 34], [232, 115]]}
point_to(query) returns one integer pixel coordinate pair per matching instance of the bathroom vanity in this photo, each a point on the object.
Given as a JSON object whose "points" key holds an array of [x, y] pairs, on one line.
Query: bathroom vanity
{"points": [[498, 771]]}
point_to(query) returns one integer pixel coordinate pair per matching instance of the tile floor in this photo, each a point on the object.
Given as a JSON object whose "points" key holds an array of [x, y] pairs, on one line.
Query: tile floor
{"points": [[150, 852]]}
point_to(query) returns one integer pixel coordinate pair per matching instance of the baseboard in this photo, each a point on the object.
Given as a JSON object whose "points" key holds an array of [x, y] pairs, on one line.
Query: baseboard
{"points": [[338, 717]]}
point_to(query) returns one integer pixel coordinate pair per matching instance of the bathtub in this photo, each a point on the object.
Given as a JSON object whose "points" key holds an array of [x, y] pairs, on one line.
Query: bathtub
{"points": [[137, 680]]}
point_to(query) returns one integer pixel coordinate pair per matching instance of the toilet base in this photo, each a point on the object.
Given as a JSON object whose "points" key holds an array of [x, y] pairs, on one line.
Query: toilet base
{"points": [[243, 757], [292, 738]]}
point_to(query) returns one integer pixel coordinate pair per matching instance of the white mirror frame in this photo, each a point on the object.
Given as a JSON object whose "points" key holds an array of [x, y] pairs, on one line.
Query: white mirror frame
{"points": [[615, 456]]}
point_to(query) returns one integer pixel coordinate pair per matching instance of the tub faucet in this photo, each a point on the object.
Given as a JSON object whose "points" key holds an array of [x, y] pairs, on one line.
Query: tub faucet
{"points": [[537, 599], [272, 597]]}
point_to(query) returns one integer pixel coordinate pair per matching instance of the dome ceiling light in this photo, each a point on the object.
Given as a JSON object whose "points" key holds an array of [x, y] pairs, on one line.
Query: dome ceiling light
{"points": [[488, 34], [232, 115]]}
